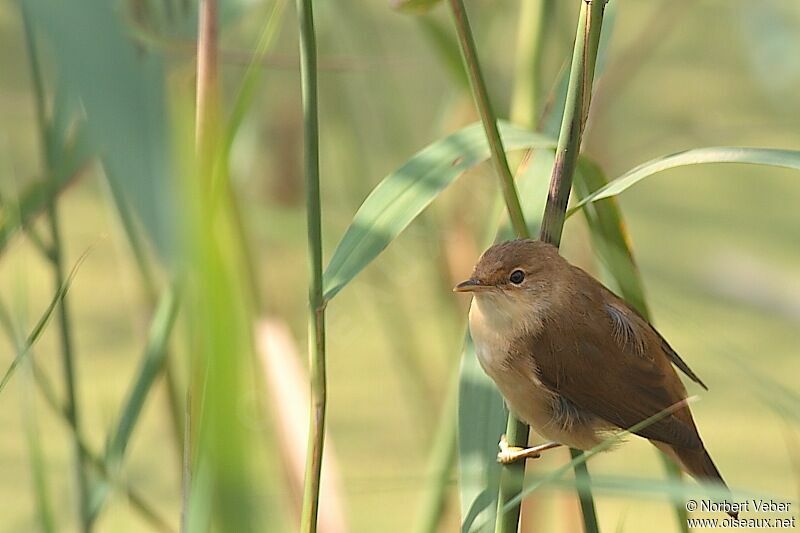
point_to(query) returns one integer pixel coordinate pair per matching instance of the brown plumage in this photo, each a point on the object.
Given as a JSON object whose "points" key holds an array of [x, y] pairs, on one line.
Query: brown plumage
{"points": [[575, 361]]}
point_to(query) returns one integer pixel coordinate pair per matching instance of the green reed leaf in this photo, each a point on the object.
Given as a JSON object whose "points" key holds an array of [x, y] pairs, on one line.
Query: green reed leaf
{"points": [[699, 156], [406, 192], [151, 364]]}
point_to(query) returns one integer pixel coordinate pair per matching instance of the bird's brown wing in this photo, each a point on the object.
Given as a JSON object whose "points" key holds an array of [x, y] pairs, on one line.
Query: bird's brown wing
{"points": [[606, 360], [676, 359]]}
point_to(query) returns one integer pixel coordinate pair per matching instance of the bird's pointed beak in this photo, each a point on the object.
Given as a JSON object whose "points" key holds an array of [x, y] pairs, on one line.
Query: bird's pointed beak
{"points": [[470, 285]]}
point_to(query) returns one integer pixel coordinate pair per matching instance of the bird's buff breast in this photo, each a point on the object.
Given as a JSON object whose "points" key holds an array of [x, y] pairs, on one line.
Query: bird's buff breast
{"points": [[492, 330]]}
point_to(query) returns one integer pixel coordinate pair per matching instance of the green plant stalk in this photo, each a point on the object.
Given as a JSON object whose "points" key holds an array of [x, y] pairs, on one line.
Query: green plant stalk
{"points": [[67, 352], [576, 109], [516, 431], [480, 94], [524, 111], [526, 98], [56, 256], [316, 303], [574, 119]]}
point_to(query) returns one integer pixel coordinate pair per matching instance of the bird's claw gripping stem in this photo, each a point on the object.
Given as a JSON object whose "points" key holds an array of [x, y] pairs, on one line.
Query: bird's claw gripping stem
{"points": [[512, 454]]}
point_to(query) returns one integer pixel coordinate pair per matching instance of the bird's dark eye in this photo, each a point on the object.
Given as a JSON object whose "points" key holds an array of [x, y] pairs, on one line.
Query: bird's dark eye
{"points": [[517, 276]]}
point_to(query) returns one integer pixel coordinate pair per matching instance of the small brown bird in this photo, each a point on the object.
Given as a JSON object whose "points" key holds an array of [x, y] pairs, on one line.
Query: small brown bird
{"points": [[573, 360]]}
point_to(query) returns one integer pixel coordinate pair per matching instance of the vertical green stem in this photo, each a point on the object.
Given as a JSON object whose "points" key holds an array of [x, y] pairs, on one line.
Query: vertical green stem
{"points": [[525, 100], [72, 409], [316, 304], [481, 96], [56, 257], [516, 430], [576, 109]]}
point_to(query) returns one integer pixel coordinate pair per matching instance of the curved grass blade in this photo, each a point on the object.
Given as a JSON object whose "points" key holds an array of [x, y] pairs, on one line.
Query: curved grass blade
{"points": [[406, 192], [40, 326], [751, 156], [39, 475]]}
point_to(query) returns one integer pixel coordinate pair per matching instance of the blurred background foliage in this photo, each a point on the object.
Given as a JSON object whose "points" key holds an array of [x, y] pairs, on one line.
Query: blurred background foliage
{"points": [[717, 245]]}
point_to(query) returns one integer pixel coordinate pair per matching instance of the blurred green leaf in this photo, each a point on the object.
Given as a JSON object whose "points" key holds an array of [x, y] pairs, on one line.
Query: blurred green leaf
{"points": [[39, 473], [151, 365], [121, 90], [403, 194], [751, 156], [481, 421], [249, 84]]}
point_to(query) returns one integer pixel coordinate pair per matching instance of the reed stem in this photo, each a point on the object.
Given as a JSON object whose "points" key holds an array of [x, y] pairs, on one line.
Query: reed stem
{"points": [[576, 110], [316, 303], [481, 96]]}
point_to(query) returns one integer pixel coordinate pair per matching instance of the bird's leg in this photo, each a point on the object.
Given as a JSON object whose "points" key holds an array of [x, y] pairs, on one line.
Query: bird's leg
{"points": [[511, 454]]}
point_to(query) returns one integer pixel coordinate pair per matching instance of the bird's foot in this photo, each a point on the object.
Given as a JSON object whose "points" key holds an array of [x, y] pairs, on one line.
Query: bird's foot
{"points": [[511, 454]]}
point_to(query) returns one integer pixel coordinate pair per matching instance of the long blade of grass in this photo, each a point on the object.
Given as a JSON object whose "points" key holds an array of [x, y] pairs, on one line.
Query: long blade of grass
{"points": [[751, 156], [44, 512], [151, 364], [406, 192], [41, 324]]}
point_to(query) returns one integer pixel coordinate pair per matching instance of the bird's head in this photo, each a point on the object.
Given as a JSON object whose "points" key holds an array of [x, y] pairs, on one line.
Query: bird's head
{"points": [[512, 276]]}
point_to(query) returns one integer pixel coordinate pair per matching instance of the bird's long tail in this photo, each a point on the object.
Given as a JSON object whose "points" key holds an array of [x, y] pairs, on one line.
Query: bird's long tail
{"points": [[698, 463]]}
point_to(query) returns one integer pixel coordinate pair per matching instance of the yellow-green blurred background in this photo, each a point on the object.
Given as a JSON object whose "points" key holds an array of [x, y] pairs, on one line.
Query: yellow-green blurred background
{"points": [[718, 248]]}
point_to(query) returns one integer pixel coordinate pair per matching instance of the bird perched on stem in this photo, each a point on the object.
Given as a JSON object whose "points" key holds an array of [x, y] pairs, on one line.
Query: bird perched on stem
{"points": [[573, 360]]}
